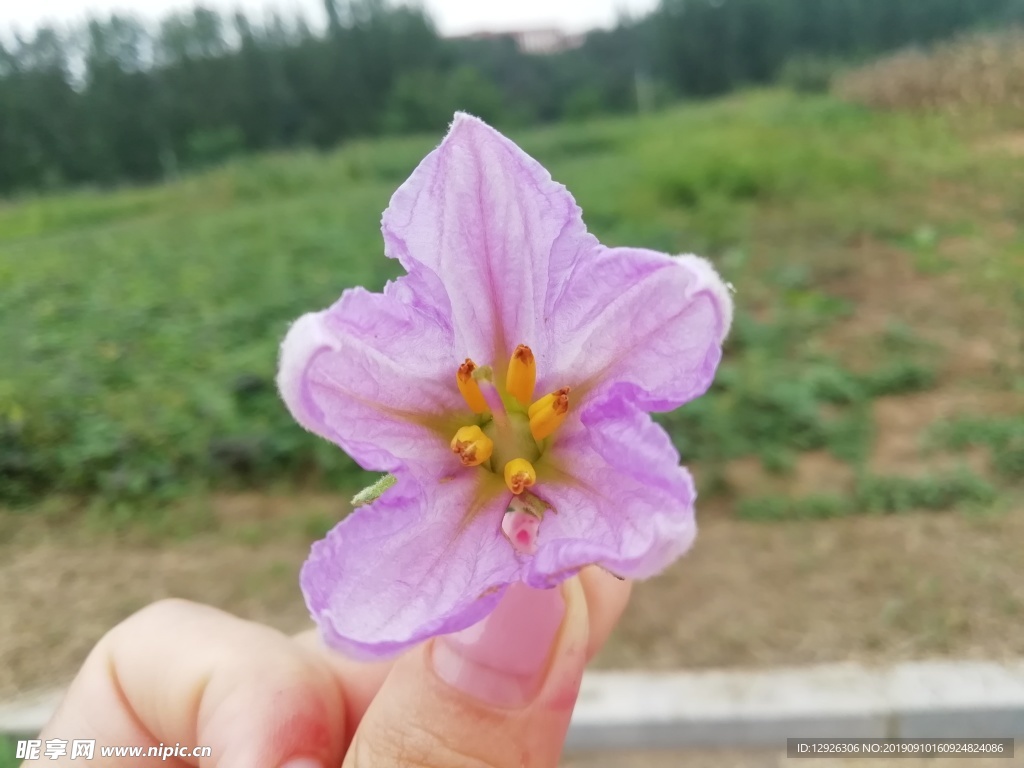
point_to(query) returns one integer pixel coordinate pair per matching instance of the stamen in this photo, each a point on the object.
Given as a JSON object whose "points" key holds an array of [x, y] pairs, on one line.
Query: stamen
{"points": [[548, 413], [522, 375], [472, 446], [469, 388], [546, 400], [519, 475]]}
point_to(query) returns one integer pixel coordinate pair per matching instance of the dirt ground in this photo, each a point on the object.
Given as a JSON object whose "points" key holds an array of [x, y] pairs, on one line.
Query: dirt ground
{"points": [[749, 594]]}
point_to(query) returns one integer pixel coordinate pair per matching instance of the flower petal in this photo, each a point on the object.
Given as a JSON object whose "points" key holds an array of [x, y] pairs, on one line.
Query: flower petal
{"points": [[625, 503], [642, 324], [375, 373], [409, 567], [487, 220]]}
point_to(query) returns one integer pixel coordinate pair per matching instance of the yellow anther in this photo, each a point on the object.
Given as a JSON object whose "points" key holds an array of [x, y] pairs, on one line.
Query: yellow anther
{"points": [[519, 475], [469, 388], [522, 374], [544, 402], [547, 401], [472, 445], [548, 413]]}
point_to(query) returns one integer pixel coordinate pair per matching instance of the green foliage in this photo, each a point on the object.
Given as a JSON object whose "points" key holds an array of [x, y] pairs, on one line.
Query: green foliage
{"points": [[8, 750], [708, 46], [1004, 437], [776, 508], [898, 378], [116, 100], [584, 102], [139, 328], [206, 148], [766, 153], [889, 495], [877, 495], [759, 406], [426, 100], [809, 73]]}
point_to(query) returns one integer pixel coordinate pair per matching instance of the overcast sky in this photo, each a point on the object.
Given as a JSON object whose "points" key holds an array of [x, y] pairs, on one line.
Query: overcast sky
{"points": [[451, 16]]}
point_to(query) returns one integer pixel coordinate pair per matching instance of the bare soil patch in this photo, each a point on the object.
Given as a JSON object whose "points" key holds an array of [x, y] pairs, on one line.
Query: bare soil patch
{"points": [[866, 588], [902, 423], [969, 328], [812, 473], [750, 594], [1007, 143]]}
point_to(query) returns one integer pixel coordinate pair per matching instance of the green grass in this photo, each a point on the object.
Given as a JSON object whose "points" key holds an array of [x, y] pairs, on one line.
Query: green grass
{"points": [[1004, 438], [878, 494], [139, 327], [8, 749]]}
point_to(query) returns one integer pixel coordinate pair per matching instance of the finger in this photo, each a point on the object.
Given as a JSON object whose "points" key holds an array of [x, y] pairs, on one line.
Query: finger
{"points": [[181, 673], [500, 693], [359, 681], [606, 597]]}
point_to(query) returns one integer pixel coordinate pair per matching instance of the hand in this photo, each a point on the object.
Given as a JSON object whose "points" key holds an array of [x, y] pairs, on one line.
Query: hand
{"points": [[497, 694]]}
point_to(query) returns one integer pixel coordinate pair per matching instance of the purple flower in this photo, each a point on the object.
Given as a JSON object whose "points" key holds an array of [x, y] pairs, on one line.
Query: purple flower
{"points": [[505, 382]]}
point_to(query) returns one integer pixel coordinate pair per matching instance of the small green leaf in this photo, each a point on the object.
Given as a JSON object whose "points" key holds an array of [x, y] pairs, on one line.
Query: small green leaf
{"points": [[374, 492]]}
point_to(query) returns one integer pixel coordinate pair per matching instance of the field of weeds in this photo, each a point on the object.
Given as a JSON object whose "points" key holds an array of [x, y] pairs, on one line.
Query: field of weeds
{"points": [[860, 456], [140, 327], [975, 75]]}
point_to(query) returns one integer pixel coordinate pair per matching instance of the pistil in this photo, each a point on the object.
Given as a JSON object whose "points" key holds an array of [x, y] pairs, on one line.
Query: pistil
{"points": [[492, 397]]}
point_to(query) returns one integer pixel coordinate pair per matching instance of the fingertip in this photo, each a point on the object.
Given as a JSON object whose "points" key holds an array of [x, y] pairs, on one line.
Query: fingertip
{"points": [[607, 598], [500, 693]]}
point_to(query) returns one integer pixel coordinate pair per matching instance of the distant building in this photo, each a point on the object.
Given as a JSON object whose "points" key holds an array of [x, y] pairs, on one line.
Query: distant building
{"points": [[537, 42]]}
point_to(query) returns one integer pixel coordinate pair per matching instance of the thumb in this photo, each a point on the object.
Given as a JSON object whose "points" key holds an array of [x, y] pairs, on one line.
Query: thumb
{"points": [[498, 694]]}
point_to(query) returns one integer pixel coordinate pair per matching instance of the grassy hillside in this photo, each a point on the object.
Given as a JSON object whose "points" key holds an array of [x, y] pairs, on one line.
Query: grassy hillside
{"points": [[876, 362], [875, 367]]}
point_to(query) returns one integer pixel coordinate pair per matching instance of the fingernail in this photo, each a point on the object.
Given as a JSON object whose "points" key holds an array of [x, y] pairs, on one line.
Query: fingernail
{"points": [[303, 762], [502, 660]]}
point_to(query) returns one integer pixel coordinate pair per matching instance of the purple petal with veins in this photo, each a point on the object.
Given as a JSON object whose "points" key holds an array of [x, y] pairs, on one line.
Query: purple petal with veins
{"points": [[497, 255]]}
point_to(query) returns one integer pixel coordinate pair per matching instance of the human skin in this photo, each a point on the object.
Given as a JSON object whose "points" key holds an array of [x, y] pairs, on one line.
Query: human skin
{"points": [[498, 694]]}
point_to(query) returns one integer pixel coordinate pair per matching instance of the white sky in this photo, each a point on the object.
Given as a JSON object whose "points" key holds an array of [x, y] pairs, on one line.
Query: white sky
{"points": [[451, 16]]}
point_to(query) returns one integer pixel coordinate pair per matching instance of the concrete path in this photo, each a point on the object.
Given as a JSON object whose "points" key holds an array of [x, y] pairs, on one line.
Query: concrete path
{"points": [[729, 758], [621, 712], [741, 708]]}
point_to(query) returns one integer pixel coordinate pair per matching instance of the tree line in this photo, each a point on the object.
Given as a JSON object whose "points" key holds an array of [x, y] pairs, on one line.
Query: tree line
{"points": [[116, 100]]}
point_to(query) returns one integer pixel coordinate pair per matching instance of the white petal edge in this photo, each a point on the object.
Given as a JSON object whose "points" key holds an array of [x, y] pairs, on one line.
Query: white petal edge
{"points": [[708, 279], [306, 338]]}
